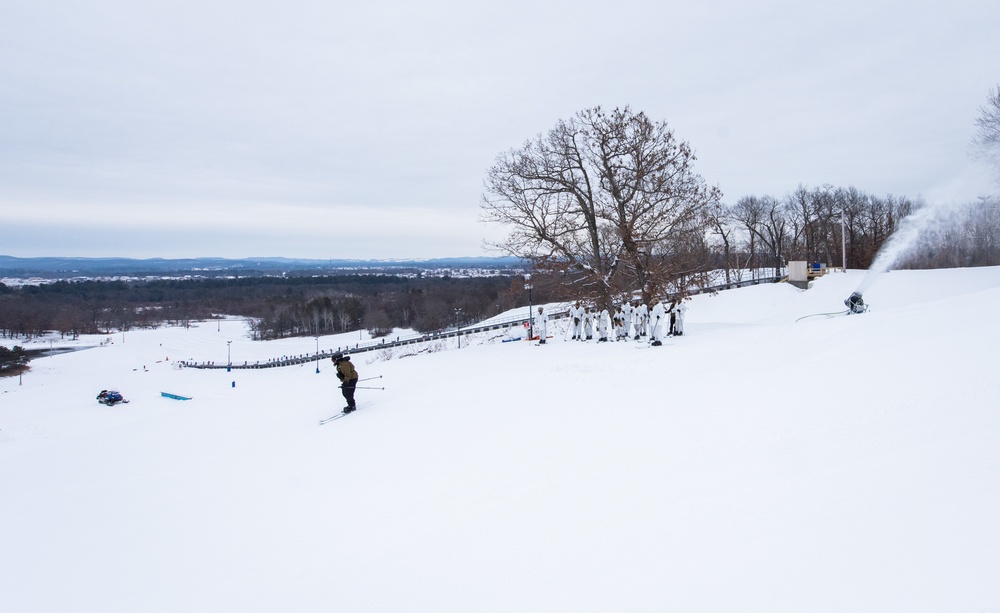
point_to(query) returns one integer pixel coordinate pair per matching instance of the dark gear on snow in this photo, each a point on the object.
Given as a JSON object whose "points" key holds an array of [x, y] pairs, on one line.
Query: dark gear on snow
{"points": [[349, 379], [855, 303]]}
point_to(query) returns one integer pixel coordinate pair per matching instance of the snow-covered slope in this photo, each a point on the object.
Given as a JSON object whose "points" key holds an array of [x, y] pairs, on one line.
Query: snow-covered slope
{"points": [[755, 464]]}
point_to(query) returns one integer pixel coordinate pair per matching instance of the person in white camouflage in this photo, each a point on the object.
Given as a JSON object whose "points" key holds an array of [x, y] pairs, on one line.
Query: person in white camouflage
{"points": [[658, 323], [641, 317], [576, 314], [588, 323], [541, 325], [602, 326]]}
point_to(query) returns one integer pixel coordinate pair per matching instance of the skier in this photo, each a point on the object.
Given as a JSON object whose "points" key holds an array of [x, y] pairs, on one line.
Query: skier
{"points": [[641, 319], [679, 312], [588, 323], [627, 311], [602, 326], [616, 324], [657, 319], [576, 313], [348, 379], [541, 325]]}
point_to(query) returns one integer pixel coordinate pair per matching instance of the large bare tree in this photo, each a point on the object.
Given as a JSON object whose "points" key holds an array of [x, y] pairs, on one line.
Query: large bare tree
{"points": [[988, 122], [987, 139], [599, 200]]}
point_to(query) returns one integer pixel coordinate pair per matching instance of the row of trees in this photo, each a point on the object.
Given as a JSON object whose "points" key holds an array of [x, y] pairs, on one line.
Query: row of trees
{"points": [[608, 206], [824, 224], [422, 305], [277, 307], [968, 235], [834, 225]]}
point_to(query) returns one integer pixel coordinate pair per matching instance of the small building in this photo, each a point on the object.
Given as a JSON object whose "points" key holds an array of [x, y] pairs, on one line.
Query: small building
{"points": [[800, 272]]}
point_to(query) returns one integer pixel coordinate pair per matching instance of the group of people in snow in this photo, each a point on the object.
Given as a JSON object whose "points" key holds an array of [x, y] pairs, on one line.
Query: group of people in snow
{"points": [[635, 321]]}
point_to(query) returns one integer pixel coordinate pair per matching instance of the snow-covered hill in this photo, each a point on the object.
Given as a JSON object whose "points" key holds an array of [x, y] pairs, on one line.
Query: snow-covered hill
{"points": [[755, 464]]}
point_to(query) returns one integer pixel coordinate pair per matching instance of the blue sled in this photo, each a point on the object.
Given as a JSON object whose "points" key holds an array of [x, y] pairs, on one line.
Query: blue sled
{"points": [[174, 396]]}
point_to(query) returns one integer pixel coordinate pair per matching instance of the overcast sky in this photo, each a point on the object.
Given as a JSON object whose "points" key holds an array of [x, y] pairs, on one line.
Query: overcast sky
{"points": [[327, 129]]}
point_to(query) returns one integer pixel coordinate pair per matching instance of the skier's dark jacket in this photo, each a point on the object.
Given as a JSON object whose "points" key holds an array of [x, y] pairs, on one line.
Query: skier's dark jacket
{"points": [[345, 370]]}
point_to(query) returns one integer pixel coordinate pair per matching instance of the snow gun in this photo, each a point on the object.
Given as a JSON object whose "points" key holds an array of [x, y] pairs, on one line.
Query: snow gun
{"points": [[855, 304]]}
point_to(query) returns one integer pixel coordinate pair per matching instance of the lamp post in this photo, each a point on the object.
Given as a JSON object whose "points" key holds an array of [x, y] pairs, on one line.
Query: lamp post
{"points": [[317, 354], [229, 356], [527, 286], [843, 241], [458, 326]]}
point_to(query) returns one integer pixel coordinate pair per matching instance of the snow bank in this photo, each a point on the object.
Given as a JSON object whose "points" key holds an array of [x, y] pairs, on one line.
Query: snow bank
{"points": [[755, 464]]}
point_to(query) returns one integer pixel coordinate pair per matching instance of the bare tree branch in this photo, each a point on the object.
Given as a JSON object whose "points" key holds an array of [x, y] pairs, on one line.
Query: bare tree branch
{"points": [[602, 195]]}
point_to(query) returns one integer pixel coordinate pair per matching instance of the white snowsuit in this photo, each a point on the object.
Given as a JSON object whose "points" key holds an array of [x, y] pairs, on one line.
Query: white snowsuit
{"points": [[641, 320], [627, 311], [618, 323], [541, 325], [602, 325], [588, 324], [576, 320], [658, 321], [680, 309]]}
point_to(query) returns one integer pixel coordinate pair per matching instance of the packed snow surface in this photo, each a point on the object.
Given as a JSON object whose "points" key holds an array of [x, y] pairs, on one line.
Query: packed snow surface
{"points": [[761, 462]]}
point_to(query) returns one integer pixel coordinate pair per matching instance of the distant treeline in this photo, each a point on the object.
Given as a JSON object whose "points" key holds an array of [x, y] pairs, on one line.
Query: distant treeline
{"points": [[755, 236], [817, 224], [277, 306]]}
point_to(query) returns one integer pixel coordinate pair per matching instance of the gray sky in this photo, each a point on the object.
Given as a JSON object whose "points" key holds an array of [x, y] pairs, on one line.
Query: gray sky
{"points": [[327, 129]]}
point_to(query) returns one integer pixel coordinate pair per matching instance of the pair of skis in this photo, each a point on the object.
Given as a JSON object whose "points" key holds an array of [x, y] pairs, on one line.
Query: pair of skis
{"points": [[343, 414], [335, 417]]}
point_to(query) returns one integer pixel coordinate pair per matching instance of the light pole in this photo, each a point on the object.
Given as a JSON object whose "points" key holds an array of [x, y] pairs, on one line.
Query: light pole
{"points": [[229, 356], [843, 241], [458, 326], [527, 286], [317, 354]]}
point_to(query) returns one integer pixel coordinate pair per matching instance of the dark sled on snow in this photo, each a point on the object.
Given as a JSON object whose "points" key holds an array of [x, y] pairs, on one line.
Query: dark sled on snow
{"points": [[111, 398]]}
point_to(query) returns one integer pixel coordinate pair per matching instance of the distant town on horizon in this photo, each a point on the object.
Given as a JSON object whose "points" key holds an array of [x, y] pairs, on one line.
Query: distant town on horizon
{"points": [[82, 266]]}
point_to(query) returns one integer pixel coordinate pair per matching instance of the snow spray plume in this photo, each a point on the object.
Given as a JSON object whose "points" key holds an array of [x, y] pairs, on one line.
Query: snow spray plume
{"points": [[906, 238]]}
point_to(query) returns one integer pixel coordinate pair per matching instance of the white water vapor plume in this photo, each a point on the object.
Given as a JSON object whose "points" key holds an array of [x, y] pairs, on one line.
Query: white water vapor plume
{"points": [[907, 237]]}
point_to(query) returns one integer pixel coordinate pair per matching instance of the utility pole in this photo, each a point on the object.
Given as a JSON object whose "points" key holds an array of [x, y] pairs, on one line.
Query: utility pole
{"points": [[527, 286], [843, 240]]}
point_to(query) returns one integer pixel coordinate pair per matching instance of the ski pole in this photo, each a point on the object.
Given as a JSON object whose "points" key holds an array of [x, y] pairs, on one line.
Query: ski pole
{"points": [[369, 378], [363, 388]]}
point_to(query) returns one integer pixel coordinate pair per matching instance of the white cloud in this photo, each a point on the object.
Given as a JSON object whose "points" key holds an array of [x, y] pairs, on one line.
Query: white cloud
{"points": [[129, 112]]}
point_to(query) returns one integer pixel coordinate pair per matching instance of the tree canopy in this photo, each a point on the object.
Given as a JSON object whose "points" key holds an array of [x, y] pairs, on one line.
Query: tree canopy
{"points": [[603, 198]]}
